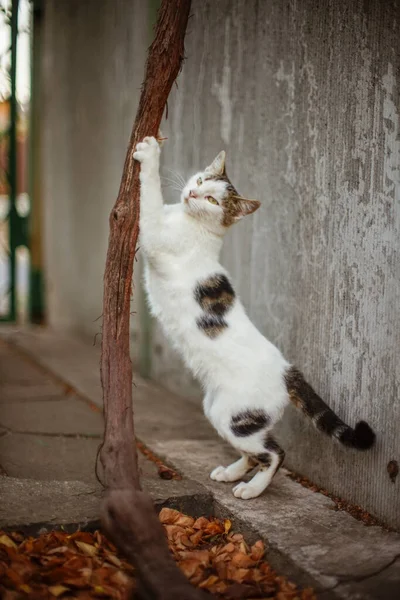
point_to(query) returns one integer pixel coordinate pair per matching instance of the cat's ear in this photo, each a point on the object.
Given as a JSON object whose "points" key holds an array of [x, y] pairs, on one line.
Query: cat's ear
{"points": [[217, 166], [245, 207]]}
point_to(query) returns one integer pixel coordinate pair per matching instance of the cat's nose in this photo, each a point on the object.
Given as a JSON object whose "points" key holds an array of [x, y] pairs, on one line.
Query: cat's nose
{"points": [[192, 194]]}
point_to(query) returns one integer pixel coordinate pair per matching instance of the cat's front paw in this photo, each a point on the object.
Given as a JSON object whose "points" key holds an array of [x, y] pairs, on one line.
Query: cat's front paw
{"points": [[148, 152], [246, 491]]}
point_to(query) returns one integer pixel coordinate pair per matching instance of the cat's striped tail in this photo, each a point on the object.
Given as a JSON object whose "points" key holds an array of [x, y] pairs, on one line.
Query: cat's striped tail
{"points": [[304, 397]]}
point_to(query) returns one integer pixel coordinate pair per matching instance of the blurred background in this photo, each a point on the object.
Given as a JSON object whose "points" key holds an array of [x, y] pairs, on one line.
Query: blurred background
{"points": [[304, 97]]}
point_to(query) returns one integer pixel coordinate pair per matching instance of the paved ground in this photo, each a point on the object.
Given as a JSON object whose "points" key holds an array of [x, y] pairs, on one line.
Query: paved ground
{"points": [[49, 433], [49, 436]]}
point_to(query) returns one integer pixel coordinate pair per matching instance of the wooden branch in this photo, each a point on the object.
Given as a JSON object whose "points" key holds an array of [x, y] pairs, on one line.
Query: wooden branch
{"points": [[128, 514], [163, 64]]}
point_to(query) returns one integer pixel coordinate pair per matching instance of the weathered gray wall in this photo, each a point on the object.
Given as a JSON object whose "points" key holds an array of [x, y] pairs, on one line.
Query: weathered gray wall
{"points": [[304, 96], [92, 69]]}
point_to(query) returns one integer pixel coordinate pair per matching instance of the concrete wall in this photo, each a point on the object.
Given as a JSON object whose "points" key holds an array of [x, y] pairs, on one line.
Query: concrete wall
{"points": [[93, 59], [304, 96]]}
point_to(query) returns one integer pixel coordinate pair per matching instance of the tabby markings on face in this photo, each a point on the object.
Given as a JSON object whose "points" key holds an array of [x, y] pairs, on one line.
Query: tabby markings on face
{"points": [[216, 297], [230, 203]]}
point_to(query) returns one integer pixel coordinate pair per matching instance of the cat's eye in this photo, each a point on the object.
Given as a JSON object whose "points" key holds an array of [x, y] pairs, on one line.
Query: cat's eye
{"points": [[211, 199], [199, 181]]}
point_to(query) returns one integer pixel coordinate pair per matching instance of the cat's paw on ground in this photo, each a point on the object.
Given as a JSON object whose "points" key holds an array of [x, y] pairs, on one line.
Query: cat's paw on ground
{"points": [[221, 474], [246, 491], [147, 151]]}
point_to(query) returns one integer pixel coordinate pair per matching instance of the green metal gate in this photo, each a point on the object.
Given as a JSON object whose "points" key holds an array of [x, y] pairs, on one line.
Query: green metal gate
{"points": [[16, 183]]}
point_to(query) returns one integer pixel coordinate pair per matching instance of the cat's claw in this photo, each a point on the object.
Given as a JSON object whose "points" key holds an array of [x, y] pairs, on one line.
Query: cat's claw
{"points": [[147, 151], [220, 474], [245, 491]]}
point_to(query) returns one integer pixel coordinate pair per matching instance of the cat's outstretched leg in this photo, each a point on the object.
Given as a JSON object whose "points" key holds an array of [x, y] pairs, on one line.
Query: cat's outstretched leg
{"points": [[151, 200], [234, 471], [269, 460]]}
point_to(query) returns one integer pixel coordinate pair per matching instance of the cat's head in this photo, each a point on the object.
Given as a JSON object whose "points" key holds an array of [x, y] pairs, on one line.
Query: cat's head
{"points": [[210, 197]]}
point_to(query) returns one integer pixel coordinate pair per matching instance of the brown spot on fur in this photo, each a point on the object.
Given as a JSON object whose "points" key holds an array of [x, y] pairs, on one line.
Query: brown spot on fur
{"points": [[248, 422], [215, 295], [212, 325], [271, 447]]}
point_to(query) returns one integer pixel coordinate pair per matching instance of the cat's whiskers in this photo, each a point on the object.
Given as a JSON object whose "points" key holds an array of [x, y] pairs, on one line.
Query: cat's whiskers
{"points": [[177, 179], [171, 187], [171, 180], [171, 183], [178, 176]]}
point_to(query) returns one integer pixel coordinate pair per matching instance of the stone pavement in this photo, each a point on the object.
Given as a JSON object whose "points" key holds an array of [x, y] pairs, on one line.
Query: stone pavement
{"points": [[50, 428], [49, 437]]}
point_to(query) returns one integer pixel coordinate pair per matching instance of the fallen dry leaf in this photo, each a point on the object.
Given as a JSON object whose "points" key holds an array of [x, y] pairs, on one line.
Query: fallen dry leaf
{"points": [[86, 548], [168, 516], [200, 523], [228, 547], [85, 566], [163, 471], [6, 541], [184, 521], [166, 472], [112, 558], [210, 581], [57, 590], [189, 566], [227, 525], [240, 559], [257, 550]]}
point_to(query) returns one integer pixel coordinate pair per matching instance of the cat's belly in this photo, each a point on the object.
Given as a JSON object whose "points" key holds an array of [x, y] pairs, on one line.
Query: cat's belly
{"points": [[172, 302], [227, 351]]}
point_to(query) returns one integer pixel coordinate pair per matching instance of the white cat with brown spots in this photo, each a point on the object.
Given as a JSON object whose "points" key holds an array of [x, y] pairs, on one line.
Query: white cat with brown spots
{"points": [[246, 380]]}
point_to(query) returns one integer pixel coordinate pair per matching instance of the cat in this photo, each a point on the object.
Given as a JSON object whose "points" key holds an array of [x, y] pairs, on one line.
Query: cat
{"points": [[246, 380]]}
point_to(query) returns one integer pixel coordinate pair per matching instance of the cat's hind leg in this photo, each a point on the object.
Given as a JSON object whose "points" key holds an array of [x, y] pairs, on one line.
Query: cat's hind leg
{"points": [[234, 471], [269, 460]]}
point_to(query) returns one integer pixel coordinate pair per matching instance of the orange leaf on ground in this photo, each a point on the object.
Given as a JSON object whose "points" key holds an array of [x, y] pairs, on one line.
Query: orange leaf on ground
{"points": [[189, 566], [82, 536], [168, 516], [58, 590], [227, 525], [201, 555], [200, 523], [239, 559], [6, 541], [196, 537], [210, 581], [214, 528], [257, 550], [84, 566], [184, 521], [87, 549], [228, 547]]}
